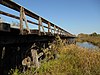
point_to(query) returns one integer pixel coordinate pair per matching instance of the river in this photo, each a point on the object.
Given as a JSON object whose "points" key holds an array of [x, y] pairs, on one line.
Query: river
{"points": [[87, 45]]}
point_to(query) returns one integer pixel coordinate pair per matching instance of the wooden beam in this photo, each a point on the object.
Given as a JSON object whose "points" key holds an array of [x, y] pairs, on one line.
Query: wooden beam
{"points": [[16, 17]]}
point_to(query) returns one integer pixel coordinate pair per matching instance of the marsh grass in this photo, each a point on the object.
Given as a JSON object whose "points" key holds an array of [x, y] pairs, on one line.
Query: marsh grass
{"points": [[73, 60]]}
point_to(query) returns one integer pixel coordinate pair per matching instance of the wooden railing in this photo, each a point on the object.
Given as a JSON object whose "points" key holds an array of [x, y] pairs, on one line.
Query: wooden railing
{"points": [[52, 28]]}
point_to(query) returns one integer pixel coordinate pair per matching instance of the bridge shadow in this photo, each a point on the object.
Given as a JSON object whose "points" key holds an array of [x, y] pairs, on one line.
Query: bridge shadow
{"points": [[11, 56]]}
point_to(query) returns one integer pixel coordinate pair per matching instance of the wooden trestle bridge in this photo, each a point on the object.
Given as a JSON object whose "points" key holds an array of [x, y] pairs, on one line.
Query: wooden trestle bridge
{"points": [[14, 42]]}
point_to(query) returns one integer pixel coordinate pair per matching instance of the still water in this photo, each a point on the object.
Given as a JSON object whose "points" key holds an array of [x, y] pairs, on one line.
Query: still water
{"points": [[87, 45]]}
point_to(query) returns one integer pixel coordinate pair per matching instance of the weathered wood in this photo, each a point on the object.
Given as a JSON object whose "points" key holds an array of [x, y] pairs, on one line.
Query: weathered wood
{"points": [[21, 21], [16, 7], [58, 30], [24, 17], [49, 27], [16, 17], [35, 58], [54, 29], [39, 26], [61, 32], [3, 53], [26, 62], [42, 25]]}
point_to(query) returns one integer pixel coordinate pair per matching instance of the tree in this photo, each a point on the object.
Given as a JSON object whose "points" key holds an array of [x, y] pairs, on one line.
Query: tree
{"points": [[94, 34]]}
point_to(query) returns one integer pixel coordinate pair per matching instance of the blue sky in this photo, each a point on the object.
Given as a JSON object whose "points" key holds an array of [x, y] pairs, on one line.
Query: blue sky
{"points": [[75, 16]]}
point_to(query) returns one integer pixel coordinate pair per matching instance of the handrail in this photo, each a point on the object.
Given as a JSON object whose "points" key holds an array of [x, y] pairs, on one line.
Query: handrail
{"points": [[16, 7]]}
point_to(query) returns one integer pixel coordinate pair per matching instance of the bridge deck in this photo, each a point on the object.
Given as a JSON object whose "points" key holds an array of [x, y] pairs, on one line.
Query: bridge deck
{"points": [[12, 36]]}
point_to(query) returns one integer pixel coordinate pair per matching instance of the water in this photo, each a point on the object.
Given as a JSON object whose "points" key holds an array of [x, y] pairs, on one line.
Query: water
{"points": [[87, 45]]}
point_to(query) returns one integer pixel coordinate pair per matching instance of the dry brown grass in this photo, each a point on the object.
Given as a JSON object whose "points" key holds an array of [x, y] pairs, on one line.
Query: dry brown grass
{"points": [[73, 60]]}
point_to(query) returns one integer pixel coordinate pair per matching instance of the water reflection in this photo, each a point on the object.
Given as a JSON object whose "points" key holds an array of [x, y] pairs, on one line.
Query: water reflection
{"points": [[87, 45]]}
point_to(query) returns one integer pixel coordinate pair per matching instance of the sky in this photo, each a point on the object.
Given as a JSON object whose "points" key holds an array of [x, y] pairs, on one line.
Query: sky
{"points": [[75, 16]]}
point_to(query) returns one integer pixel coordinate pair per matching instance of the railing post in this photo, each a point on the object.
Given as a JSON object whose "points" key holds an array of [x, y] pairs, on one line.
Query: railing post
{"points": [[49, 27], [54, 29], [61, 32], [39, 26], [58, 30], [21, 20], [42, 26], [24, 17]]}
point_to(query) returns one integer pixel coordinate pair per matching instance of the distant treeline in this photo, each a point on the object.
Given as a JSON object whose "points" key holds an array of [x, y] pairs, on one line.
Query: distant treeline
{"points": [[92, 34]]}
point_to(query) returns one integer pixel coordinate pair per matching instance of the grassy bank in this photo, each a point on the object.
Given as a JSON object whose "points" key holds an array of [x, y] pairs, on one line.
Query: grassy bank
{"points": [[92, 38], [73, 60]]}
